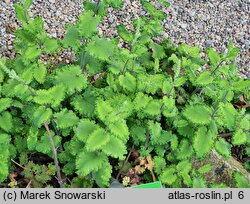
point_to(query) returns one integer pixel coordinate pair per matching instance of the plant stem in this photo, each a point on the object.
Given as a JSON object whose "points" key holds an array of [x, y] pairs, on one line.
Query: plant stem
{"points": [[169, 93], [147, 141], [21, 166], [54, 126], [153, 176], [195, 91], [28, 185], [137, 35], [216, 68], [30, 90], [125, 162], [125, 66], [58, 170], [97, 7], [212, 73], [83, 58], [121, 108], [57, 132], [225, 134], [217, 108]]}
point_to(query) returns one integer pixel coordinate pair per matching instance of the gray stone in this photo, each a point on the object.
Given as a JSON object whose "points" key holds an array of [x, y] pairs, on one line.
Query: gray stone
{"points": [[184, 25], [208, 43], [111, 20], [222, 168], [193, 12]]}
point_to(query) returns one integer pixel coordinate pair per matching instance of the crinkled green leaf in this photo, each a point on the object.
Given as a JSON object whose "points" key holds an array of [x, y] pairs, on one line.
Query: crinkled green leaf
{"points": [[168, 176], [101, 48], [43, 97], [88, 24], [21, 13], [103, 175], [155, 131], [223, 147], [85, 104], [204, 169], [232, 52], [203, 142], [184, 150], [124, 33], [50, 45], [180, 81], [115, 3], [72, 78], [4, 156], [119, 129], [58, 93], [84, 129], [43, 144], [213, 56], [40, 72], [199, 182], [5, 103], [103, 109], [138, 134], [128, 82], [66, 118], [153, 108], [97, 139], [158, 51], [32, 53], [184, 167], [6, 121], [199, 114], [239, 137], [41, 115], [240, 180], [115, 148], [71, 38], [87, 162], [227, 115], [159, 164], [204, 78]]}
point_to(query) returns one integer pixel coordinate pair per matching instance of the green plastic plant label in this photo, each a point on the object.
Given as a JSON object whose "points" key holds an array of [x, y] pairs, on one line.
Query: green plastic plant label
{"points": [[156, 184]]}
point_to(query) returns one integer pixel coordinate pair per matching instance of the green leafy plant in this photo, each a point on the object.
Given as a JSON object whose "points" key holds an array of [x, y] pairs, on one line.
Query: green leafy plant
{"points": [[86, 115]]}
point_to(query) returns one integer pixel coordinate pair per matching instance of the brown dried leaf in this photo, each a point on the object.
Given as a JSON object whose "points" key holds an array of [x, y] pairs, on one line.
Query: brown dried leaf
{"points": [[10, 28], [150, 164], [242, 103], [142, 161], [139, 169], [135, 180], [12, 176], [135, 154], [242, 98]]}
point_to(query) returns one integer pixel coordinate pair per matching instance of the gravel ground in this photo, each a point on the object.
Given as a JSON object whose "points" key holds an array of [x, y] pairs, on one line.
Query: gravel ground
{"points": [[212, 23], [196, 22]]}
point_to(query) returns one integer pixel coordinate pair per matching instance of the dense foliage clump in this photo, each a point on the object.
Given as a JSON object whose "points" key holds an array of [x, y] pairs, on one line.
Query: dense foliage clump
{"points": [[78, 122]]}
